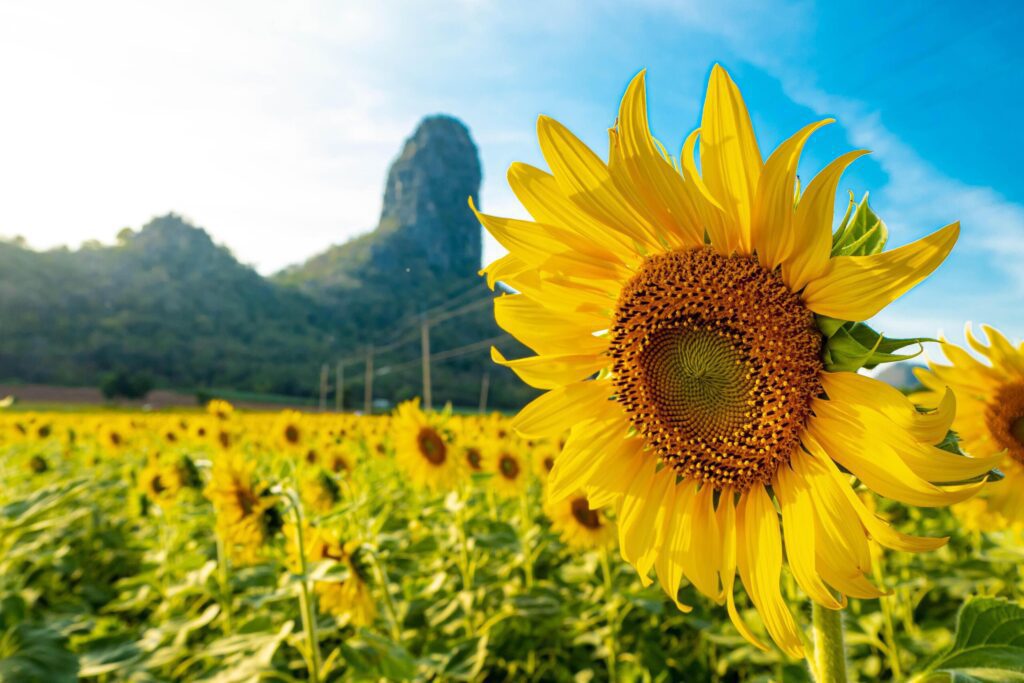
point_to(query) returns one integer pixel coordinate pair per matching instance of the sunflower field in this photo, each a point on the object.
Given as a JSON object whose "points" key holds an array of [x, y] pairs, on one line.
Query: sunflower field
{"points": [[237, 546]]}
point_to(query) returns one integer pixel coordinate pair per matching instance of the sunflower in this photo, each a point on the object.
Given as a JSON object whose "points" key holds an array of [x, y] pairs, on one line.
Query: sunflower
{"points": [[423, 447], [222, 410], [580, 526], [247, 514], [989, 419], [692, 331], [319, 491], [290, 430], [162, 480], [349, 597], [509, 468]]}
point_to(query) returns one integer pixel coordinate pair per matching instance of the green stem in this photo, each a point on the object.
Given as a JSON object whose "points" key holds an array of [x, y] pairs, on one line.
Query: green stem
{"points": [[306, 607], [382, 576], [829, 651], [526, 523], [612, 608], [225, 585], [465, 568]]}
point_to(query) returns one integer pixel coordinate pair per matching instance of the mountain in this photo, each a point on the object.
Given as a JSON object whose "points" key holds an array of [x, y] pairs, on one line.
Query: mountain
{"points": [[167, 302]]}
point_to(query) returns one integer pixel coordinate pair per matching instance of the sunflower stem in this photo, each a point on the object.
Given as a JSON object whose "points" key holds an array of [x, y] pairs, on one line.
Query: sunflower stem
{"points": [[306, 607], [223, 573], [382, 576], [526, 523], [612, 609], [829, 650]]}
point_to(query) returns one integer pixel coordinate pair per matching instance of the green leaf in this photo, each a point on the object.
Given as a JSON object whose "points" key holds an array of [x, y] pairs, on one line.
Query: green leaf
{"points": [[865, 233], [989, 643], [850, 346], [30, 653]]}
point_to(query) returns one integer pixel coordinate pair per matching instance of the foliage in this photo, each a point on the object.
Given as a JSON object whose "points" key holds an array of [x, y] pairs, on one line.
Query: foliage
{"points": [[103, 573]]}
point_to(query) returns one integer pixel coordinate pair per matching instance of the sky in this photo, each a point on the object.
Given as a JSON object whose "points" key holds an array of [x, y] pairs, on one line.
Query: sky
{"points": [[272, 125]]}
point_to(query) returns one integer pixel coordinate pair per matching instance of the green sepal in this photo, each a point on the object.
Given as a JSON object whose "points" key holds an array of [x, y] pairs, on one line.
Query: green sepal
{"points": [[861, 234], [850, 346]]}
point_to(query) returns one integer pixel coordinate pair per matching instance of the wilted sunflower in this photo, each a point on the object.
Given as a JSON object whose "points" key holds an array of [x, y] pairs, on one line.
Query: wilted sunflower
{"points": [[247, 513], [423, 447], [989, 419], [687, 324], [349, 597], [579, 525]]}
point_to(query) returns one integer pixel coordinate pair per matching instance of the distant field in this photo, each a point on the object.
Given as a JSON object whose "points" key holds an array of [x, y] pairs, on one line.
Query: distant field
{"points": [[47, 397]]}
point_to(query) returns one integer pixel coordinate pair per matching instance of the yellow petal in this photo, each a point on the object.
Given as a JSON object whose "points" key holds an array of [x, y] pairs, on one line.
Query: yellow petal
{"points": [[775, 202], [675, 540], [858, 287], [798, 519], [656, 182], [500, 269], [879, 468], [812, 226], [590, 445], [550, 372], [541, 196], [640, 518], [553, 413], [702, 547], [860, 390], [759, 558], [878, 528], [726, 515], [724, 237], [729, 156], [548, 332], [546, 245], [586, 180], [876, 432]]}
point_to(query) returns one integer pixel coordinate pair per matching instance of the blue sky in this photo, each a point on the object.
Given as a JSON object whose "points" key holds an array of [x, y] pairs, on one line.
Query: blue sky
{"points": [[272, 124]]}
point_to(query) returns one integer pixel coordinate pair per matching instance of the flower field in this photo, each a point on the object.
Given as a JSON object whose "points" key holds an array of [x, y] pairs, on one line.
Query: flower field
{"points": [[238, 546]]}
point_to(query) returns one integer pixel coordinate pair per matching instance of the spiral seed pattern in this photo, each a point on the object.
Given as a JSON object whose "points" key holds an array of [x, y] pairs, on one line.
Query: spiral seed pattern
{"points": [[716, 362]]}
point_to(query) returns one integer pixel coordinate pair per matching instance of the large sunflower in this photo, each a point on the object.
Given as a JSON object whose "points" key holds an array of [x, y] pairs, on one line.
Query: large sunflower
{"points": [[688, 325], [989, 419]]}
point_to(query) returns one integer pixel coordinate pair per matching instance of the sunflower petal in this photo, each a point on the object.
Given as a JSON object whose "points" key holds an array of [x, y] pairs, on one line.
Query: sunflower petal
{"points": [[586, 180], [857, 287], [726, 515], [675, 539], [590, 445], [640, 518], [798, 519], [553, 413], [759, 558], [812, 226], [771, 227], [546, 331], [729, 156], [657, 183], [550, 372]]}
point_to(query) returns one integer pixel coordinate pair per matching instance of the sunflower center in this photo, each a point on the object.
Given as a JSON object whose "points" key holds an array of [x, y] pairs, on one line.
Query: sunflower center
{"points": [[716, 362], [508, 466], [1005, 417], [291, 434], [473, 457], [584, 515], [431, 446]]}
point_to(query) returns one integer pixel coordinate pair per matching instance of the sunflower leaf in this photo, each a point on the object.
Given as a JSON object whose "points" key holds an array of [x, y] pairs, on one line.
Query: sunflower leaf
{"points": [[989, 643], [850, 346]]}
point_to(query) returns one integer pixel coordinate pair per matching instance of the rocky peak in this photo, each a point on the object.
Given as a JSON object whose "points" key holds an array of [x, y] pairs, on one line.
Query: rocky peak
{"points": [[425, 198]]}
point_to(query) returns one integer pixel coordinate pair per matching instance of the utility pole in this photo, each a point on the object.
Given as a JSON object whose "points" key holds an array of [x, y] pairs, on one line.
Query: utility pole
{"points": [[428, 399], [323, 387], [485, 385], [339, 386], [368, 382]]}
